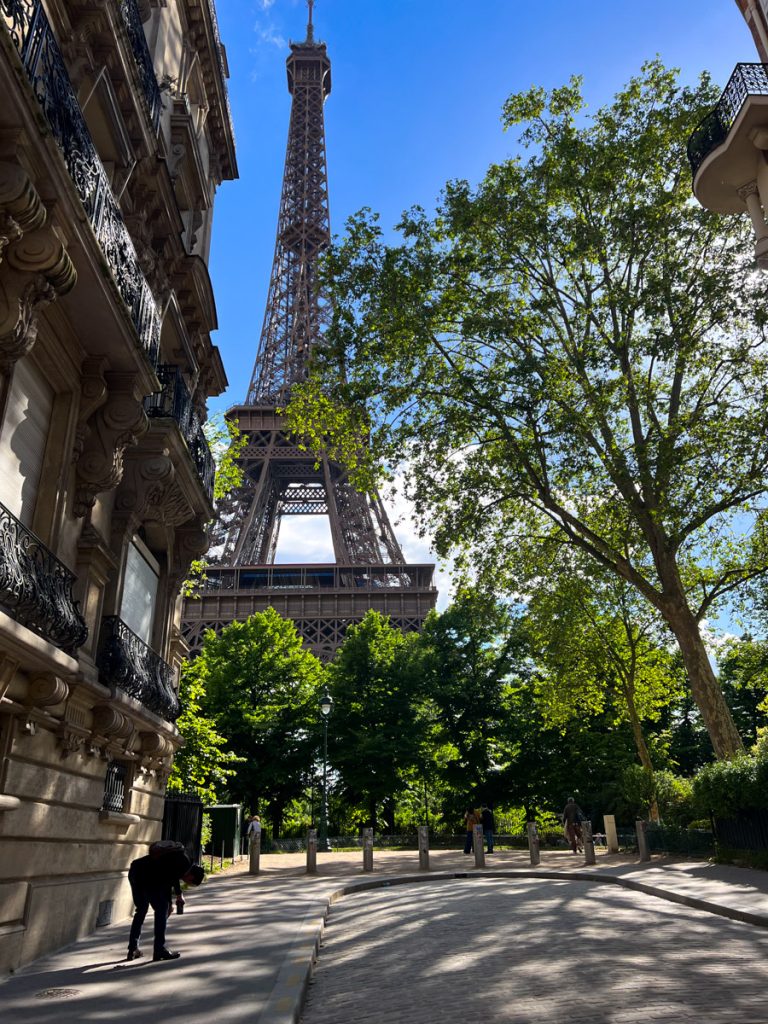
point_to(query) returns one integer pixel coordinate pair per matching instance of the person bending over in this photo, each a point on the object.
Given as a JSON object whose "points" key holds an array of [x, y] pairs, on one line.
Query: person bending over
{"points": [[153, 880]]}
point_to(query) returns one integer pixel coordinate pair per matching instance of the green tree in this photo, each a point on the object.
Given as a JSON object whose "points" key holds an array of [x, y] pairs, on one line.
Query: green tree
{"points": [[465, 657], [203, 765], [743, 668], [261, 687], [575, 329], [374, 733], [600, 647]]}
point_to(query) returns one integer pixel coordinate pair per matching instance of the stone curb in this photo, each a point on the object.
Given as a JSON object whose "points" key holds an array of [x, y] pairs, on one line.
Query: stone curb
{"points": [[286, 1001]]}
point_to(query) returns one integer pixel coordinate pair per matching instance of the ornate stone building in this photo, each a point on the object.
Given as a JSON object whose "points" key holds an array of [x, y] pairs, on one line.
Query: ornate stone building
{"points": [[728, 151], [115, 132]]}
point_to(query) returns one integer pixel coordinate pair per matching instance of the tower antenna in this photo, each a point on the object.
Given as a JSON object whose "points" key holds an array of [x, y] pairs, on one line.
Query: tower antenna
{"points": [[310, 26]]}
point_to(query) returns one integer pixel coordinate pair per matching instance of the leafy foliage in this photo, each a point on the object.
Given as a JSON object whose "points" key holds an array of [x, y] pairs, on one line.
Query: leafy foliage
{"points": [[203, 765], [572, 344], [375, 732], [261, 687], [726, 787]]}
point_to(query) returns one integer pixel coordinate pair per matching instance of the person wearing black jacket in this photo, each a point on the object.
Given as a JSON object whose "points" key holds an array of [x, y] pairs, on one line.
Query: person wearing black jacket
{"points": [[489, 826], [153, 879]]}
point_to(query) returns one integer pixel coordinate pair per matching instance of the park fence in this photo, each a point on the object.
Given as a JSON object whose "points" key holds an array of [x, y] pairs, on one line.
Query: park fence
{"points": [[747, 831]]}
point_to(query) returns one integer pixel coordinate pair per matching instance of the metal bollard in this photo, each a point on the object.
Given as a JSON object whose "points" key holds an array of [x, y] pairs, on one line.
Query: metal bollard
{"points": [[312, 851], [589, 843], [534, 843], [367, 849], [254, 853], [611, 835], [642, 839], [423, 848], [477, 845]]}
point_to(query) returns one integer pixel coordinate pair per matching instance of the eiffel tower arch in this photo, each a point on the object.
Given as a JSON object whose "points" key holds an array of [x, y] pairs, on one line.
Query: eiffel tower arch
{"points": [[279, 479]]}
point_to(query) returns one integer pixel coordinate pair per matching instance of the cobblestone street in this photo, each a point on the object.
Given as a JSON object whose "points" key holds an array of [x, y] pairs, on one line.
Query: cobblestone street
{"points": [[518, 951]]}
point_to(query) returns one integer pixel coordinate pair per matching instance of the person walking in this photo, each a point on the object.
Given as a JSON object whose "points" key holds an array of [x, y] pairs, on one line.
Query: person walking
{"points": [[572, 819], [153, 880], [489, 826], [471, 818]]}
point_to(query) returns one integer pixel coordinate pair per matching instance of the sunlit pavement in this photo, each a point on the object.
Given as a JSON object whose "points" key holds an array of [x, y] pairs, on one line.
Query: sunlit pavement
{"points": [[429, 945]]}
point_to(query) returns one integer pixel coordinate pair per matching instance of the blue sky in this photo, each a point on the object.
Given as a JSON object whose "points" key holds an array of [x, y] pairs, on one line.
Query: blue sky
{"points": [[418, 87]]}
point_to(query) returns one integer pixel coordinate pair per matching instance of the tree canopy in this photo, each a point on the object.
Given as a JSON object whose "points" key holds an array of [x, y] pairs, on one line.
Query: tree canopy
{"points": [[573, 345], [261, 687]]}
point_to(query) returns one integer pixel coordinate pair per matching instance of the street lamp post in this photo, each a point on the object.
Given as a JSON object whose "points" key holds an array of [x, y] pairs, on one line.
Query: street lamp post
{"points": [[326, 707]]}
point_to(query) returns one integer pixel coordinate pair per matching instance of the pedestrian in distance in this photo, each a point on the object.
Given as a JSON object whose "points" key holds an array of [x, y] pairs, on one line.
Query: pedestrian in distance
{"points": [[572, 819], [254, 827], [489, 826], [471, 818], [153, 881]]}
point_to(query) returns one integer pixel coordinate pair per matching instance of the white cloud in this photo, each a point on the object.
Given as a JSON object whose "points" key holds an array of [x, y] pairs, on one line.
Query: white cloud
{"points": [[268, 35]]}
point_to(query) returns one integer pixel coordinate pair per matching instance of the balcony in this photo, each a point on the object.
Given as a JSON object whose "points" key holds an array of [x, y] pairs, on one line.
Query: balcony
{"points": [[174, 402], [129, 11], [724, 151], [26, 23], [36, 588], [126, 662]]}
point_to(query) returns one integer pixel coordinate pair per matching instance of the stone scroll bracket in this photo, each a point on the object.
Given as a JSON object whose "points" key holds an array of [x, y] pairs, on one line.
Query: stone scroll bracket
{"points": [[117, 424], [35, 268], [147, 480]]}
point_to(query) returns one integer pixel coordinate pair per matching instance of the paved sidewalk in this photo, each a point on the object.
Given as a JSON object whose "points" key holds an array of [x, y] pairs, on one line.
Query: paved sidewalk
{"points": [[248, 943]]}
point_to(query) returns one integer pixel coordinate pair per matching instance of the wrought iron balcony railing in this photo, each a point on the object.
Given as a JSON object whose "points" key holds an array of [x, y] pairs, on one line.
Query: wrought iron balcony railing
{"points": [[125, 661], [129, 11], [36, 588], [712, 131], [30, 31], [220, 59], [175, 402]]}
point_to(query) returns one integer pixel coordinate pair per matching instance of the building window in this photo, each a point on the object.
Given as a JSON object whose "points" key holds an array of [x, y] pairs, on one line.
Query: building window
{"points": [[114, 787], [137, 609], [22, 440]]}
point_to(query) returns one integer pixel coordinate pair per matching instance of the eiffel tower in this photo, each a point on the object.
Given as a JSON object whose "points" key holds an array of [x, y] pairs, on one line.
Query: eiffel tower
{"points": [[280, 479]]}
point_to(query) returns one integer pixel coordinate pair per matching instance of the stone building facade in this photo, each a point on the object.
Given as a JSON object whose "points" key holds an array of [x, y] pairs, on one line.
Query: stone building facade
{"points": [[115, 132], [728, 151]]}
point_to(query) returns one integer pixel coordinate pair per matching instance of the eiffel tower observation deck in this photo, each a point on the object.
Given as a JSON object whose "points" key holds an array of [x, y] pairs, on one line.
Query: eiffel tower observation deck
{"points": [[368, 571]]}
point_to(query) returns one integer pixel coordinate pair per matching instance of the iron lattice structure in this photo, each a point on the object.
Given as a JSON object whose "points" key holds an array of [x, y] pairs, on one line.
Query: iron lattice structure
{"points": [[279, 479]]}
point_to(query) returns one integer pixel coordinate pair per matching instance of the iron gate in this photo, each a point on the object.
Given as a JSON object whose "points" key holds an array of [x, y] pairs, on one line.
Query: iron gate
{"points": [[183, 821]]}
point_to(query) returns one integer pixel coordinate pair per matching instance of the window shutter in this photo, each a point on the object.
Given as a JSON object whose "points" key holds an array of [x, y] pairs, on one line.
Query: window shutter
{"points": [[23, 438]]}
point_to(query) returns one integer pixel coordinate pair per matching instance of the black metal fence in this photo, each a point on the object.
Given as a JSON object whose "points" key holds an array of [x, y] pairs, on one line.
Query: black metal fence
{"points": [[183, 822], [748, 831]]}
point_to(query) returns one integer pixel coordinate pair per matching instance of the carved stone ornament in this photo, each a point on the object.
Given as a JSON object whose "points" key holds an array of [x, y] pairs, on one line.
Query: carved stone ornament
{"points": [[46, 690], [8, 669], [108, 721], [36, 271], [21, 208], [73, 731], [93, 394], [118, 423], [155, 752], [147, 479]]}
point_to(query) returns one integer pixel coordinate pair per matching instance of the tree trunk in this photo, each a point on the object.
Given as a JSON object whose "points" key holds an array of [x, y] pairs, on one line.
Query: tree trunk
{"points": [[372, 812], [704, 685], [640, 744], [389, 815], [276, 816]]}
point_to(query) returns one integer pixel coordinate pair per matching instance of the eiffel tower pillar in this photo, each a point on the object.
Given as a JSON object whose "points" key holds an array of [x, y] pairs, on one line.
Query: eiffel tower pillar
{"points": [[368, 571]]}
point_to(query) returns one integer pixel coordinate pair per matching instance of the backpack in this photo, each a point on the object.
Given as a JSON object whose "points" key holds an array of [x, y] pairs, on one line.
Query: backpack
{"points": [[164, 846]]}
